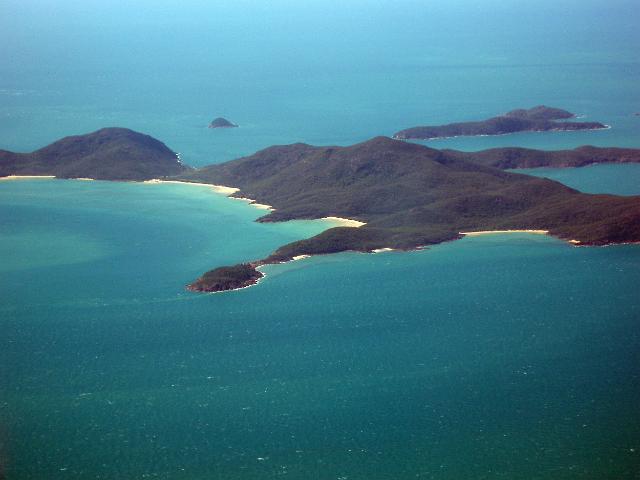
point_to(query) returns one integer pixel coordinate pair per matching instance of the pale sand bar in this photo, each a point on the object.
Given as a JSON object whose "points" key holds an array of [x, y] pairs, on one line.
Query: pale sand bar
{"points": [[490, 232]]}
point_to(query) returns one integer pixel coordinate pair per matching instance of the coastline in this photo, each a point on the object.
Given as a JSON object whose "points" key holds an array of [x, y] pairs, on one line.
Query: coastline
{"points": [[252, 284], [382, 250], [216, 188], [492, 232], [606, 127], [344, 222], [26, 177], [221, 189], [259, 265]]}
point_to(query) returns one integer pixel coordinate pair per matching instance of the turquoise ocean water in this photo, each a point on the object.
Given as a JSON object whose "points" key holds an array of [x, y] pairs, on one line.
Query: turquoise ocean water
{"points": [[507, 356]]}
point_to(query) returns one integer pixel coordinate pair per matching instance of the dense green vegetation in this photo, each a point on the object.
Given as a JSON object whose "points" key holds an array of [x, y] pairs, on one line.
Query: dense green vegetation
{"points": [[514, 157], [541, 112], [108, 154], [412, 196], [536, 119], [227, 278]]}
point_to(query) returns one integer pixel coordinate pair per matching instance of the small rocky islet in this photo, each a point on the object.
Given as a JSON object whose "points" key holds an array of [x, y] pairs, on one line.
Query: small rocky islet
{"points": [[221, 122]]}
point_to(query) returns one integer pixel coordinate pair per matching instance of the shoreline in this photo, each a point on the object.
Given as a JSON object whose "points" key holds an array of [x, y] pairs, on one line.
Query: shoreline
{"points": [[26, 177], [221, 189], [253, 284], [216, 188], [606, 127], [572, 242], [495, 232], [382, 250], [344, 222]]}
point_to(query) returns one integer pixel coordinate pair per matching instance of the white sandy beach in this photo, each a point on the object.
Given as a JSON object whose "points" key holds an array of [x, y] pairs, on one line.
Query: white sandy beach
{"points": [[381, 250], [221, 189], [344, 222], [26, 177], [253, 203], [491, 232], [216, 188]]}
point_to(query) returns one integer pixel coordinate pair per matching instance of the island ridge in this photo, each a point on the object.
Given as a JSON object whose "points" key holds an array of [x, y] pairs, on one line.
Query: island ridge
{"points": [[107, 154], [536, 119], [410, 196]]}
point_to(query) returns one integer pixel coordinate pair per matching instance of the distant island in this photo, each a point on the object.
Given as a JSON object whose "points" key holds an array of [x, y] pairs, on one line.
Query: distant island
{"points": [[536, 119], [516, 157], [221, 123], [107, 154], [410, 196]]}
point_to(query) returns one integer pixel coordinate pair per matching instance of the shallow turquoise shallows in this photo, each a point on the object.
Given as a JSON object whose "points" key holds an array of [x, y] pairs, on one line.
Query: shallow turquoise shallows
{"points": [[497, 357], [500, 355]]}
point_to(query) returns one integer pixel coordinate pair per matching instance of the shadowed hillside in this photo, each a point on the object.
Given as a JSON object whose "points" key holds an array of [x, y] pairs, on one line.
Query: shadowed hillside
{"points": [[411, 196], [108, 154], [515, 157]]}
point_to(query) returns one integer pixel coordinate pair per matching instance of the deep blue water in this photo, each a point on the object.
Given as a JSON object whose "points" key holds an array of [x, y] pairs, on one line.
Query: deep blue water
{"points": [[506, 356], [623, 179], [321, 72]]}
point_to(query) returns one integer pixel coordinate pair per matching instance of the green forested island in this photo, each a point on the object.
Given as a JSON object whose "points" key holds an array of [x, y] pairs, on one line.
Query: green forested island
{"points": [[536, 119], [407, 195], [411, 196], [227, 278], [516, 157], [107, 154]]}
